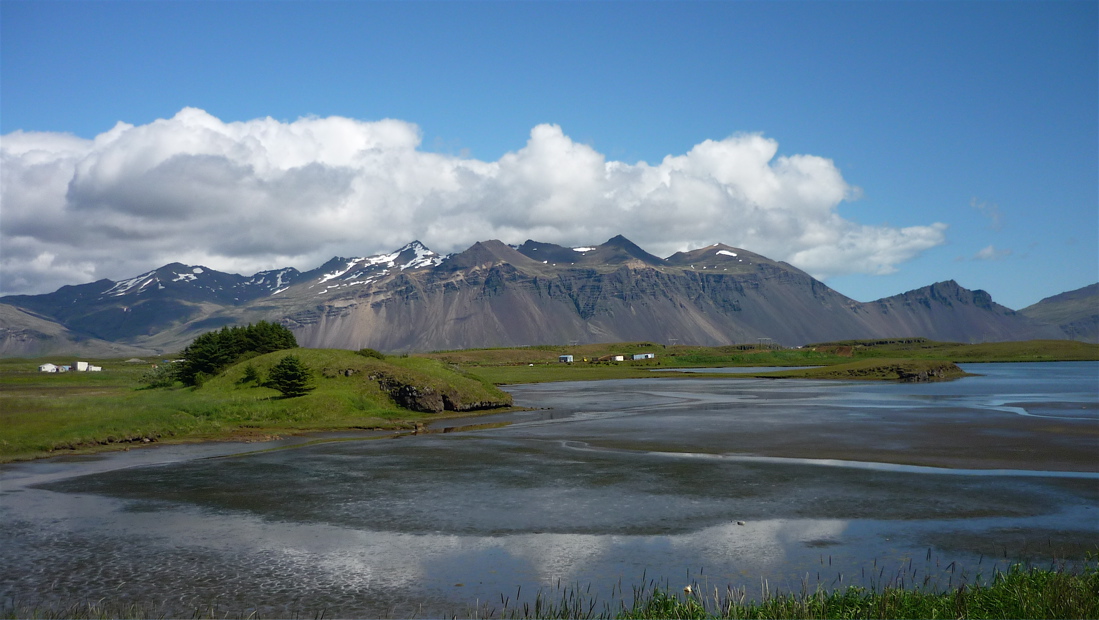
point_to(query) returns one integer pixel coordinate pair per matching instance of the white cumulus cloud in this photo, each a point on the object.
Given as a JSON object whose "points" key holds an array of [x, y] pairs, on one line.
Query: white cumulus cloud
{"points": [[260, 194]]}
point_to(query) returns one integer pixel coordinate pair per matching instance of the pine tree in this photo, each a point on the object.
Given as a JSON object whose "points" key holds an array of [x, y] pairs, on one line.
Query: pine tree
{"points": [[290, 377], [212, 352]]}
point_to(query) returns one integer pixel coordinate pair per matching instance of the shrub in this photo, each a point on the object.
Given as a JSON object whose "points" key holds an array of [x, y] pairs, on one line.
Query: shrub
{"points": [[290, 377], [162, 375], [251, 375], [371, 353]]}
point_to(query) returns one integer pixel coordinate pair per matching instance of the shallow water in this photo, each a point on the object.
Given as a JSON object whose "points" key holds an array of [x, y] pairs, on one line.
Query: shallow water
{"points": [[725, 481]]}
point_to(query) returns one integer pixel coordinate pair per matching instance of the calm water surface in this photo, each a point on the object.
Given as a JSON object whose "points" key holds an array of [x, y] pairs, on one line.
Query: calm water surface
{"points": [[723, 481]]}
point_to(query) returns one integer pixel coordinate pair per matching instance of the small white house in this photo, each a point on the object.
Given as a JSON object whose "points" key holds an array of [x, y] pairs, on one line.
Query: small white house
{"points": [[81, 366], [643, 356], [47, 367], [567, 359], [94, 368]]}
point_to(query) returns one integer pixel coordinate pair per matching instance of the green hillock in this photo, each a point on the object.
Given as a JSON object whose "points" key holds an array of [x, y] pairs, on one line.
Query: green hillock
{"points": [[47, 414], [878, 369], [346, 381]]}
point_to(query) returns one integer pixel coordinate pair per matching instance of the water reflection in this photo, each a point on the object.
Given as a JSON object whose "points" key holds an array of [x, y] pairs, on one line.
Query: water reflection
{"points": [[666, 478]]}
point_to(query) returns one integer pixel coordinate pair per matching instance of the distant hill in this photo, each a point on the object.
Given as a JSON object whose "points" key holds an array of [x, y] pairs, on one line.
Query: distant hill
{"points": [[1075, 312], [493, 294], [22, 334]]}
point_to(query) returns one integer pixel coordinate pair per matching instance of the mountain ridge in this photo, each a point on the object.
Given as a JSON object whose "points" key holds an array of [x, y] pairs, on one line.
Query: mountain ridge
{"points": [[493, 294]]}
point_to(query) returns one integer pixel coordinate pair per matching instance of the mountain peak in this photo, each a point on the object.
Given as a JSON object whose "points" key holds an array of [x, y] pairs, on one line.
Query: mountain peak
{"points": [[618, 246], [485, 252], [613, 291]]}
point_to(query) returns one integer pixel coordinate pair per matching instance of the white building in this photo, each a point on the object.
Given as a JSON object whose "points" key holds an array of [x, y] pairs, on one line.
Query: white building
{"points": [[565, 358], [47, 367], [81, 366], [643, 356]]}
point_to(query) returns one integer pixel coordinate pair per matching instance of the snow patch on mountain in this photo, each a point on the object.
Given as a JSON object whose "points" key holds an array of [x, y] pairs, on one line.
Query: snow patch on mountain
{"points": [[335, 274], [424, 257], [364, 270], [125, 286]]}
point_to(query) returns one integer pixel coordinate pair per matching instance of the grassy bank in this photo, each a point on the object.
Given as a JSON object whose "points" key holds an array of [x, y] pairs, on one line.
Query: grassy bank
{"points": [[876, 369], [858, 360], [44, 414], [1016, 593], [73, 412]]}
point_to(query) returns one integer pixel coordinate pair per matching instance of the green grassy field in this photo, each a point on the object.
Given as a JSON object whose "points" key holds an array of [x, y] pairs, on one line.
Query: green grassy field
{"points": [[45, 413], [865, 360]]}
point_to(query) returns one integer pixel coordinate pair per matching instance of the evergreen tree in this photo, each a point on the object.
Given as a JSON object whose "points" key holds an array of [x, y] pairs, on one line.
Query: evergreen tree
{"points": [[212, 352], [290, 377], [208, 354]]}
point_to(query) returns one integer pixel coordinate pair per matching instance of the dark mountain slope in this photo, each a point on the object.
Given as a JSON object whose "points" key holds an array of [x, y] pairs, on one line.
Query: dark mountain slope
{"points": [[496, 295], [24, 334], [488, 296], [1075, 312], [955, 314]]}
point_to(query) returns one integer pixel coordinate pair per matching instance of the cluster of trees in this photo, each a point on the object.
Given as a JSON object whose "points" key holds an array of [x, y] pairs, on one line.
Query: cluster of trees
{"points": [[215, 351]]}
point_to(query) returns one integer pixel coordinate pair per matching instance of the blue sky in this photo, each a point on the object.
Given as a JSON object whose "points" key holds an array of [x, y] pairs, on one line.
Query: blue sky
{"points": [[964, 135]]}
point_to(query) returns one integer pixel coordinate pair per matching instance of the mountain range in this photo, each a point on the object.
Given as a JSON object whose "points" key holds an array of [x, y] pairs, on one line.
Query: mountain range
{"points": [[493, 294]]}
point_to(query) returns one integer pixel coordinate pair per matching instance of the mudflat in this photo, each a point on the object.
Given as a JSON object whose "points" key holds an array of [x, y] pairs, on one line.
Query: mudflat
{"points": [[607, 484]]}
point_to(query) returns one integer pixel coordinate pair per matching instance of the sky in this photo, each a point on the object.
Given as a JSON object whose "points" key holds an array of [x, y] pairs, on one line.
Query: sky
{"points": [[879, 146]]}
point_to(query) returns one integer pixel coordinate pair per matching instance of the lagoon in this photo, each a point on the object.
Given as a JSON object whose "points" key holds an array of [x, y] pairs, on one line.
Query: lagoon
{"points": [[716, 480]]}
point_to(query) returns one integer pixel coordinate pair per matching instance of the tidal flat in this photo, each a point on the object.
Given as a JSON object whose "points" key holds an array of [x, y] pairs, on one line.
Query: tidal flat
{"points": [[729, 482]]}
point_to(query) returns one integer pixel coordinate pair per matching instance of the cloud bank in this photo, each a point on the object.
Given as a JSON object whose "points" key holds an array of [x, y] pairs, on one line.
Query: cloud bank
{"points": [[246, 196]]}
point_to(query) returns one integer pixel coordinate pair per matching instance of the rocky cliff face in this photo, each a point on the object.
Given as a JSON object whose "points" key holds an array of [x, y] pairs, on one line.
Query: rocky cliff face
{"points": [[494, 295], [537, 293]]}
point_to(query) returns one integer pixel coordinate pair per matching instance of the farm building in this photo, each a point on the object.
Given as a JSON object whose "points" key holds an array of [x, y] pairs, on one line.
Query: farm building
{"points": [[86, 367], [643, 356], [565, 359], [47, 367]]}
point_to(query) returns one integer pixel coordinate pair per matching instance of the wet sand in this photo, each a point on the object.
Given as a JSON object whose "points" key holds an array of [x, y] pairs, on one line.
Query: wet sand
{"points": [[733, 480]]}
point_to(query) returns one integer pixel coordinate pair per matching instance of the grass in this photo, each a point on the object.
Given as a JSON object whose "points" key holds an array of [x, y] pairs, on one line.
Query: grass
{"points": [[876, 369], [44, 414], [853, 359], [1018, 592]]}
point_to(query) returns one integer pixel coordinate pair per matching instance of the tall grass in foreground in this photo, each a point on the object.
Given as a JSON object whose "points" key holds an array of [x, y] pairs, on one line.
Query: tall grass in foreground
{"points": [[1017, 592]]}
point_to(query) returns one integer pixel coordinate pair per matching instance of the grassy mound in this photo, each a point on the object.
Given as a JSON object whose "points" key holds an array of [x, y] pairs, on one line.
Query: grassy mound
{"points": [[46, 414], [922, 348], [904, 370], [345, 381]]}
